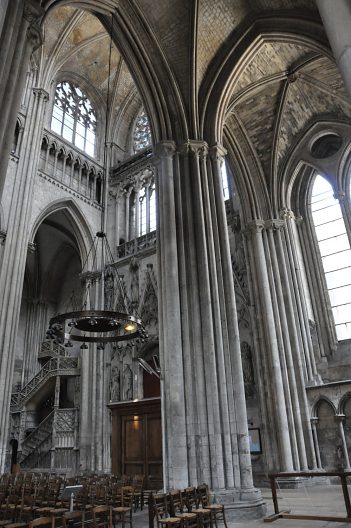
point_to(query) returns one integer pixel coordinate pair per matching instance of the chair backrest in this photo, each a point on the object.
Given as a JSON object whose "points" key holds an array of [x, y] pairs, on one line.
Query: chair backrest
{"points": [[138, 483], [190, 497], [175, 502], [127, 496], [160, 505], [203, 495]]}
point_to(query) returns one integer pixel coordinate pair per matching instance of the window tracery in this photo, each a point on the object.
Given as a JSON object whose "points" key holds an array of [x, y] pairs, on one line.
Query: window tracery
{"points": [[142, 132], [73, 117], [335, 252]]}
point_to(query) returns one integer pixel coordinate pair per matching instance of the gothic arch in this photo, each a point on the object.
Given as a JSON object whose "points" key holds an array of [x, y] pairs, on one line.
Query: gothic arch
{"points": [[320, 400], [300, 164], [162, 99], [80, 227], [341, 406]]}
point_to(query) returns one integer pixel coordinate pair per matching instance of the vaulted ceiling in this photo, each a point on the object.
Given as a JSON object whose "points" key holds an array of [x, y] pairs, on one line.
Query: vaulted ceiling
{"points": [[282, 83]]}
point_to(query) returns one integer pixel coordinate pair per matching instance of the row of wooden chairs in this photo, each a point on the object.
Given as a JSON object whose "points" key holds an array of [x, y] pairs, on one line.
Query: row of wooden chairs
{"points": [[188, 508], [101, 516], [97, 489]]}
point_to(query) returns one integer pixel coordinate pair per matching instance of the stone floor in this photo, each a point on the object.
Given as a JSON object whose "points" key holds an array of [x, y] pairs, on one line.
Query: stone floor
{"points": [[323, 500]]}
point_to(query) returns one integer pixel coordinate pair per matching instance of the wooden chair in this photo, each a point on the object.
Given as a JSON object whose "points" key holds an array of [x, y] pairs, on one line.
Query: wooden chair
{"points": [[101, 516], [160, 510], [9, 507], [177, 509], [123, 513], [217, 510], [138, 485], [191, 501]]}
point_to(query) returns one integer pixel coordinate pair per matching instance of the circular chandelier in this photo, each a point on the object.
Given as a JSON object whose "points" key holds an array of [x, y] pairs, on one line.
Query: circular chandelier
{"points": [[98, 326]]}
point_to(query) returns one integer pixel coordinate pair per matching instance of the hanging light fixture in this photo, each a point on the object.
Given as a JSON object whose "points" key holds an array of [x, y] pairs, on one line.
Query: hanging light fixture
{"points": [[117, 321]]}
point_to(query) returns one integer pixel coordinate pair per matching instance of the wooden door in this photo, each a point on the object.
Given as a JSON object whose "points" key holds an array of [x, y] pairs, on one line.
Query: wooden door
{"points": [[137, 440]]}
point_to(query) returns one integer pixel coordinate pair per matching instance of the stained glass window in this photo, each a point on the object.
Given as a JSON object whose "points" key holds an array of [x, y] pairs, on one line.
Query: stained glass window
{"points": [[73, 117], [142, 132], [335, 251]]}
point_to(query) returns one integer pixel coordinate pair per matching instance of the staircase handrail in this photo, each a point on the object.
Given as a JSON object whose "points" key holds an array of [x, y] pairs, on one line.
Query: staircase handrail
{"points": [[47, 422], [52, 366]]}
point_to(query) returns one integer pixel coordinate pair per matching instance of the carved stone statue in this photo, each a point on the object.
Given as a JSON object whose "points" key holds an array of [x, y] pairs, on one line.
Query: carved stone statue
{"points": [[134, 285], [115, 385], [128, 383], [109, 289]]}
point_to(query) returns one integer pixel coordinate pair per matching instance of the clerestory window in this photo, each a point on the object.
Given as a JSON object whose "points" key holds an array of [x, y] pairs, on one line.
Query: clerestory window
{"points": [[142, 132], [73, 117], [335, 251], [147, 210]]}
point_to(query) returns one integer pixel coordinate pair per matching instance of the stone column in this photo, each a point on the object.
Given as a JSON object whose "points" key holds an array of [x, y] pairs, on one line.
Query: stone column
{"points": [[336, 17], [230, 330], [206, 433], [127, 211], [272, 360], [15, 253], [137, 210], [340, 419], [147, 205], [314, 421], [171, 353], [20, 36]]}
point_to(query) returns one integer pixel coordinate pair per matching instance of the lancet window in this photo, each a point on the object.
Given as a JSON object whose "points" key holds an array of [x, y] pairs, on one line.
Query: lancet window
{"points": [[147, 209], [142, 132], [225, 181], [73, 117], [335, 252]]}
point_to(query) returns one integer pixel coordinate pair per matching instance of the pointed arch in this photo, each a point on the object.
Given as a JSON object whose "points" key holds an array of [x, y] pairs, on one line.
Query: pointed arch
{"points": [[80, 227], [147, 64]]}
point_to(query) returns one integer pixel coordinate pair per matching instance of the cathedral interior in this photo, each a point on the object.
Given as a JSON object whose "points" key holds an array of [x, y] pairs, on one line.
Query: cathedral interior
{"points": [[208, 140]]}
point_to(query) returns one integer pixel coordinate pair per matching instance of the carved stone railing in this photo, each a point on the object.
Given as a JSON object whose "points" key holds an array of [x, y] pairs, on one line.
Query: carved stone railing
{"points": [[53, 442], [39, 440], [141, 244], [51, 349], [56, 366], [62, 164]]}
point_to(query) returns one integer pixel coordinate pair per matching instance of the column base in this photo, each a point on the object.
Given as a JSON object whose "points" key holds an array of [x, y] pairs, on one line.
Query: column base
{"points": [[241, 504]]}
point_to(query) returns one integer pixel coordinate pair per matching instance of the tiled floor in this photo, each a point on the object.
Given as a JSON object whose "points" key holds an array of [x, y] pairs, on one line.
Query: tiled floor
{"points": [[322, 500]]}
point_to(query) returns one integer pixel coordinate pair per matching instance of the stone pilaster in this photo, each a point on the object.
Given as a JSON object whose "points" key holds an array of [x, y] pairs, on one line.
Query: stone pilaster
{"points": [[171, 353], [20, 36], [15, 253], [260, 264]]}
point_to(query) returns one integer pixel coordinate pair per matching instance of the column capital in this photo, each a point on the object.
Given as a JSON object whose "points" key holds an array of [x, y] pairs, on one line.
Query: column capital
{"points": [[255, 226], [40, 93], [314, 420], [286, 213], [340, 417], [275, 224], [217, 152], [165, 149], [193, 146]]}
